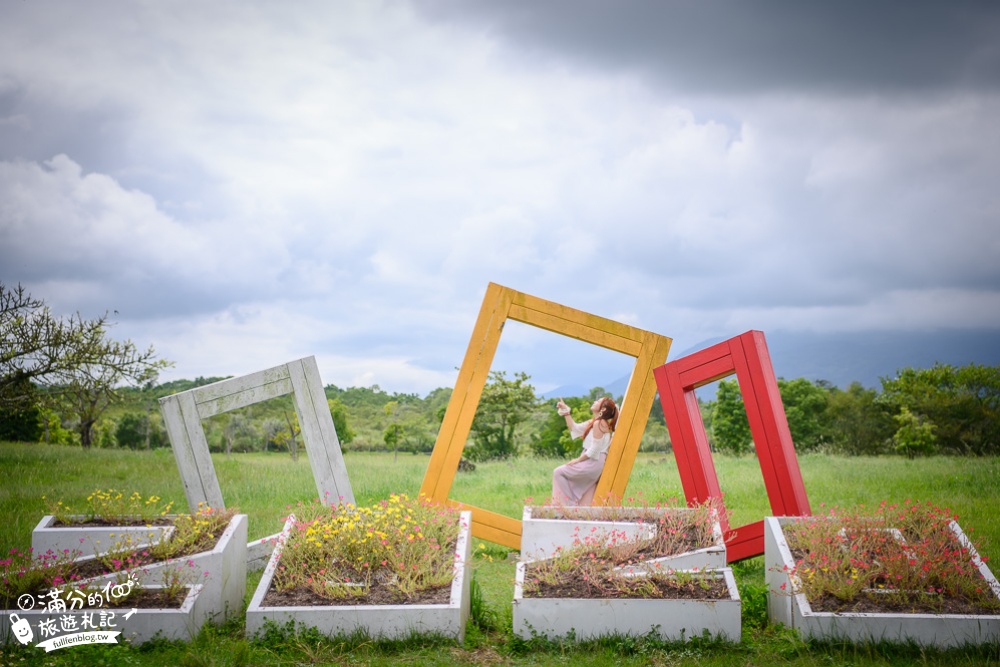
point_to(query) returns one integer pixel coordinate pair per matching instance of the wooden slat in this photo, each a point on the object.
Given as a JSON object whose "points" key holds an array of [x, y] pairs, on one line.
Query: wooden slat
{"points": [[243, 398], [319, 433], [455, 426], [568, 314], [226, 395], [639, 396], [578, 330], [180, 415]]}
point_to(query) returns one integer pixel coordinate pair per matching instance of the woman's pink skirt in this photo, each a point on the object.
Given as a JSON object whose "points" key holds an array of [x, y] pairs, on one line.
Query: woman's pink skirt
{"points": [[574, 483]]}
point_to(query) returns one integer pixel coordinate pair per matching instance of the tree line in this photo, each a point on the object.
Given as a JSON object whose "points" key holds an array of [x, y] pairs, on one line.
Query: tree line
{"points": [[65, 381]]}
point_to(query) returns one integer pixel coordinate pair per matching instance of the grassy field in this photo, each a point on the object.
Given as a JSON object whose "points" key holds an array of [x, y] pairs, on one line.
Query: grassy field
{"points": [[265, 485]]}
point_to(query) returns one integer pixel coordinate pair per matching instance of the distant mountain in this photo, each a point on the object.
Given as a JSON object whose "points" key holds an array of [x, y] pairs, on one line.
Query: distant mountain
{"points": [[613, 388], [843, 358]]}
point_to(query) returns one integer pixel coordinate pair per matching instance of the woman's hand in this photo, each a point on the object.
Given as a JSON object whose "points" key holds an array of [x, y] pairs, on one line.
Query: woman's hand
{"points": [[562, 408]]}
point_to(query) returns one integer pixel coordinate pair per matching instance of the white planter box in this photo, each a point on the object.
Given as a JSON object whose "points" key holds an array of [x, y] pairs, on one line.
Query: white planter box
{"points": [[540, 538], [225, 583], [589, 618], [259, 552], [388, 621], [92, 540], [145, 624], [793, 609]]}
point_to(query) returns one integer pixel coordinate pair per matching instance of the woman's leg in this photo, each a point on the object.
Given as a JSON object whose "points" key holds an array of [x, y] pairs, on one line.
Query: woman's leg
{"points": [[587, 498], [561, 491]]}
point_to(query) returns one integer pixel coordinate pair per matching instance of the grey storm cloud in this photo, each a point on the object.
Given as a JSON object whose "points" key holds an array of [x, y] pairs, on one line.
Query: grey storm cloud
{"points": [[248, 183], [730, 47]]}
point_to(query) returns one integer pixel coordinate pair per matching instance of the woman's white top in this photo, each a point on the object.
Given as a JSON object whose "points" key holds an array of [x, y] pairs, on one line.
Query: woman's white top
{"points": [[592, 447]]}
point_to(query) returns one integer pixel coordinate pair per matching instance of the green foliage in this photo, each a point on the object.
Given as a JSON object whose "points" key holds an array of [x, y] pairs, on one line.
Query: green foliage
{"points": [[338, 411], [21, 421], [392, 435], [915, 436], [730, 427], [858, 422], [82, 367], [137, 430], [504, 405], [963, 404], [805, 408], [239, 434], [552, 439]]}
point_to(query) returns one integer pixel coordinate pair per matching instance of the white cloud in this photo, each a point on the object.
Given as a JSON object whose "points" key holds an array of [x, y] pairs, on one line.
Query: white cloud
{"points": [[249, 183]]}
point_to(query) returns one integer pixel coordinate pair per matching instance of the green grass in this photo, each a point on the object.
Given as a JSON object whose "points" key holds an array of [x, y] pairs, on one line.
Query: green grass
{"points": [[265, 485]]}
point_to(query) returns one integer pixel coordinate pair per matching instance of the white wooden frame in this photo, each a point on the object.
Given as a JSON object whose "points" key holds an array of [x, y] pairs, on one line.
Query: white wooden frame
{"points": [[183, 412]]}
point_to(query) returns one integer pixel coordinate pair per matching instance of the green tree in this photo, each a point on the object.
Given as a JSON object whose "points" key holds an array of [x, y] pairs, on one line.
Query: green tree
{"points": [[21, 422], [37, 347], [131, 430], [963, 404], [552, 438], [730, 428], [89, 389], [805, 409], [239, 434], [915, 436], [73, 357], [504, 405], [338, 411], [859, 422]]}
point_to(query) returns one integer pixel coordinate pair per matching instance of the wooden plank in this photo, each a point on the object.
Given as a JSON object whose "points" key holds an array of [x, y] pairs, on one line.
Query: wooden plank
{"points": [[173, 420], [491, 526], [639, 397], [687, 431], [745, 542], [440, 475], [319, 433], [187, 439], [784, 466], [336, 465], [230, 389], [567, 314], [707, 372], [477, 382], [580, 331], [241, 399]]}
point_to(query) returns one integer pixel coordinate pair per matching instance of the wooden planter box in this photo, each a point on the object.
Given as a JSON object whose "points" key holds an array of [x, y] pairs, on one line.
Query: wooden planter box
{"points": [[793, 609], [540, 538], [92, 540], [589, 618], [221, 572], [384, 621], [142, 626]]}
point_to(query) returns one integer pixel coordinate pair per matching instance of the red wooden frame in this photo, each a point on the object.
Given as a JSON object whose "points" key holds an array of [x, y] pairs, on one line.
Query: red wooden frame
{"points": [[745, 355]]}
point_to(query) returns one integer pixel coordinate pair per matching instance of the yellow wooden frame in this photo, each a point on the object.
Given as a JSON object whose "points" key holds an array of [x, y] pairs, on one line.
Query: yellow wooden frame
{"points": [[499, 305]]}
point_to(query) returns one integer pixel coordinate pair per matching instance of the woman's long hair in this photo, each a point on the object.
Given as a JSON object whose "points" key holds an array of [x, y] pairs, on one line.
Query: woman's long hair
{"points": [[608, 411]]}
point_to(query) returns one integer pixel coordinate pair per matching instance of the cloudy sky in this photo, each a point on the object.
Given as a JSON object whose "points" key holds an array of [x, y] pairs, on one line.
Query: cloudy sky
{"points": [[246, 183]]}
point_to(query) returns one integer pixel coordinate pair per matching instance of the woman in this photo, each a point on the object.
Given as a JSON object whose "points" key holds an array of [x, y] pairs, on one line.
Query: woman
{"points": [[574, 483]]}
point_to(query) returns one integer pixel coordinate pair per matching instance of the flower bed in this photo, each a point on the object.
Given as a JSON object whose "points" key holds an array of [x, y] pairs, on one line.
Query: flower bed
{"points": [[221, 571], [206, 548], [609, 584], [390, 569], [904, 573], [670, 618], [108, 518], [92, 540], [679, 538], [143, 624]]}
